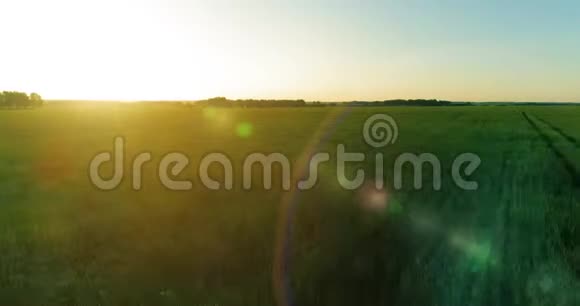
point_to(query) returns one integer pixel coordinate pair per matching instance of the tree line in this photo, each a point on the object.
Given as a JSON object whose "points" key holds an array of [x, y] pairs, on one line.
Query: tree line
{"points": [[15, 99], [404, 102], [224, 102]]}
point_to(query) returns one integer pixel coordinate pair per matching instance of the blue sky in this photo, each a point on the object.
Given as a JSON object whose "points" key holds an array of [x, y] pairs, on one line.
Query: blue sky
{"points": [[316, 50]]}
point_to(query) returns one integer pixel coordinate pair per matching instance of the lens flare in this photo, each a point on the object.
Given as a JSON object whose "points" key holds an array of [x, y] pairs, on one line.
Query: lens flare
{"points": [[372, 199], [244, 130], [209, 112]]}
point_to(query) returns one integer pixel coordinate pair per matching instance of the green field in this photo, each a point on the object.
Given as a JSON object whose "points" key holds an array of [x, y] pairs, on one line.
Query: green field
{"points": [[514, 241]]}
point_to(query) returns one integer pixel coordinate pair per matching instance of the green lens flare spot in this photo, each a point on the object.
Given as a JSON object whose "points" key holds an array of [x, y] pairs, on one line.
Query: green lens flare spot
{"points": [[244, 129], [209, 112], [395, 208]]}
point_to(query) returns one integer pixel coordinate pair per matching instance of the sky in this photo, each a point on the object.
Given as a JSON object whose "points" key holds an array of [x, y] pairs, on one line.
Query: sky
{"points": [[521, 50]]}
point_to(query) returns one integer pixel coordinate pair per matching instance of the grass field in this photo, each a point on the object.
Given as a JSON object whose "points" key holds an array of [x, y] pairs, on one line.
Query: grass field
{"points": [[514, 241]]}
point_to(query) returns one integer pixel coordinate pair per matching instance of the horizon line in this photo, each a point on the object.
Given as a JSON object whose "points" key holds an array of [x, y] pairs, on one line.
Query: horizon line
{"points": [[293, 99]]}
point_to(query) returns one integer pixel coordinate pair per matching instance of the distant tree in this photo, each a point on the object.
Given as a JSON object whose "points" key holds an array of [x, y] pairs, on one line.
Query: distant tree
{"points": [[36, 100], [218, 99], [15, 99]]}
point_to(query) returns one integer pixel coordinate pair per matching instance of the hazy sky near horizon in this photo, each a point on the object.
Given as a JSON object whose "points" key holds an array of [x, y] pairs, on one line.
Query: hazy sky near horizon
{"points": [[493, 50]]}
